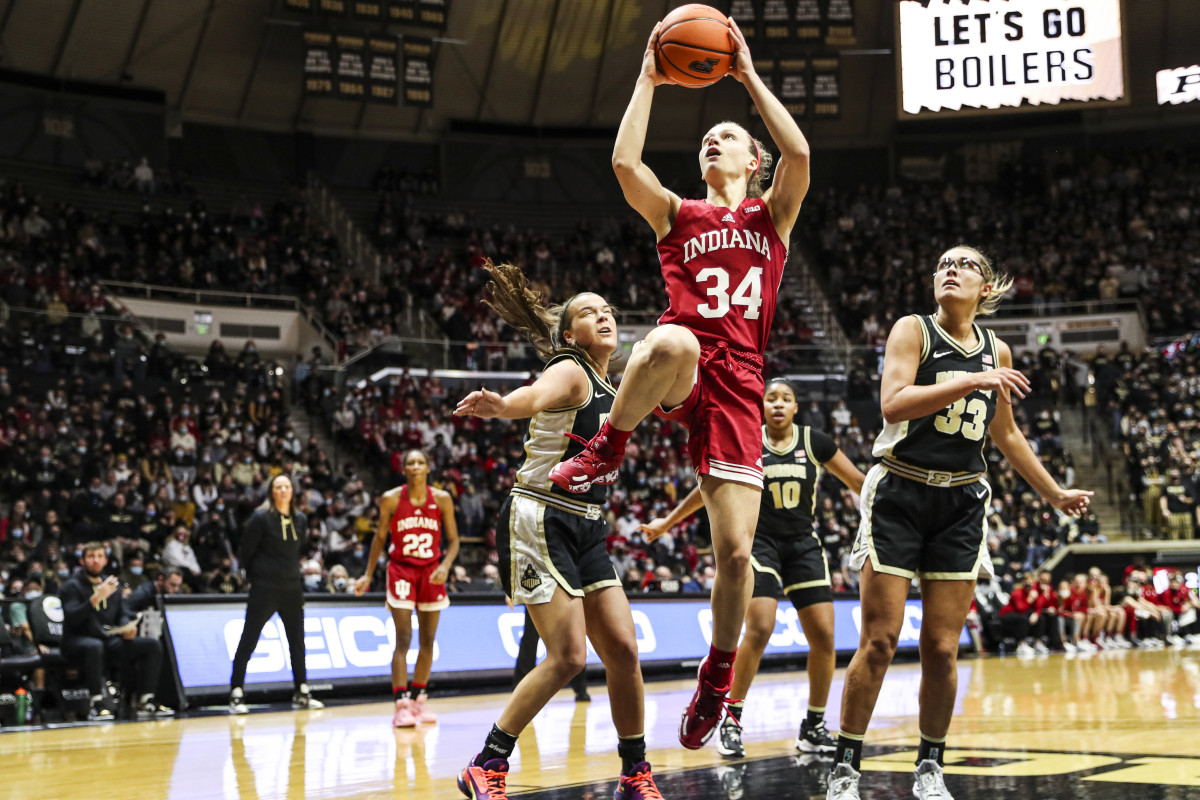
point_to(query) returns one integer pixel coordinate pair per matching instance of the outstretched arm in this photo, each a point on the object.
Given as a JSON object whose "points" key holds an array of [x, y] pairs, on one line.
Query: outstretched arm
{"points": [[643, 191], [563, 385], [687, 506], [790, 184], [1016, 449]]}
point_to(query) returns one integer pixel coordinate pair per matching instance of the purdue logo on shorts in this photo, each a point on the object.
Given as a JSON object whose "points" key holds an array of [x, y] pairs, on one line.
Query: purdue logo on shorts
{"points": [[530, 580]]}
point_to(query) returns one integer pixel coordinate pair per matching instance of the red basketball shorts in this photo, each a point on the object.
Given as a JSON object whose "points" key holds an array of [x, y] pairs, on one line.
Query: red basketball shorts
{"points": [[724, 415], [408, 586]]}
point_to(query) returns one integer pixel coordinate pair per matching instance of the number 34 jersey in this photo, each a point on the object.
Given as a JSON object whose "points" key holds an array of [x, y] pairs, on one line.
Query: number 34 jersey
{"points": [[416, 530], [723, 267], [951, 440]]}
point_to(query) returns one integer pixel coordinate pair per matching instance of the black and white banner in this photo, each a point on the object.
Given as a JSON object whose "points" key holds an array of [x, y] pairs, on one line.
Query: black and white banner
{"points": [[808, 21], [777, 20], [1177, 86], [418, 71], [383, 70], [839, 21], [793, 86], [765, 67], [351, 67], [826, 87], [745, 13], [318, 63], [987, 54]]}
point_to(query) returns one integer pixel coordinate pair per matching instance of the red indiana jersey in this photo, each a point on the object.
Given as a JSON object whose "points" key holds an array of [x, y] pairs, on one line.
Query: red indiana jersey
{"points": [[416, 530], [723, 268]]}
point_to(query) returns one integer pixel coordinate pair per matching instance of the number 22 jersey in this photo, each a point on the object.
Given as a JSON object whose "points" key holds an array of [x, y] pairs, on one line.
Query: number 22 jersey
{"points": [[723, 267], [416, 530]]}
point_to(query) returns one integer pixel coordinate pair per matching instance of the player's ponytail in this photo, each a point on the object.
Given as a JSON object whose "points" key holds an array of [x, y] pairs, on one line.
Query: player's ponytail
{"points": [[754, 187], [1001, 281], [524, 309]]}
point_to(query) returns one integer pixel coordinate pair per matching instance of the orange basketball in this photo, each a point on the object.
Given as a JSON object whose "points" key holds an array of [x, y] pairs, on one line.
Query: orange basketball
{"points": [[694, 47]]}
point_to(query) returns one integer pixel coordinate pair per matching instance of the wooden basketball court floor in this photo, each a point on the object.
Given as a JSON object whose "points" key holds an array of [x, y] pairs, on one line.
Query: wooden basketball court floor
{"points": [[1117, 724]]}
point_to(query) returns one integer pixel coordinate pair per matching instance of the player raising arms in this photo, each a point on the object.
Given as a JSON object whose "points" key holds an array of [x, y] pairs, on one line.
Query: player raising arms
{"points": [[787, 556], [552, 544], [414, 517], [722, 259], [946, 384]]}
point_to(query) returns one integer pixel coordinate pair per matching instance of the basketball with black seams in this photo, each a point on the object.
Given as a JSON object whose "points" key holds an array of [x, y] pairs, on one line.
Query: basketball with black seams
{"points": [[694, 47]]}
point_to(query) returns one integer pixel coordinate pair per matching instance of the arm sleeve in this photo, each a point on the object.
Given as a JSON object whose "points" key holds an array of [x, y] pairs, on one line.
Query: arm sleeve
{"points": [[251, 536], [823, 447]]}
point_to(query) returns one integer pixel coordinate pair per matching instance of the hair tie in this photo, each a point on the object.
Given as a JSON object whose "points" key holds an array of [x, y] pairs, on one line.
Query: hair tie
{"points": [[758, 155]]}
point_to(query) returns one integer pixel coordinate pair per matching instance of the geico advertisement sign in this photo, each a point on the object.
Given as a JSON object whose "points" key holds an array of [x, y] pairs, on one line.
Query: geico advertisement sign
{"points": [[347, 640]]}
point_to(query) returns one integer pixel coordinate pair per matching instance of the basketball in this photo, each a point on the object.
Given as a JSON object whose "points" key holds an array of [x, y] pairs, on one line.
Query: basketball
{"points": [[694, 47]]}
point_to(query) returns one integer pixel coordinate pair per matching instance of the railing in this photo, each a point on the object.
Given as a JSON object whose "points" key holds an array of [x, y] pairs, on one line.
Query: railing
{"points": [[215, 297], [417, 321], [1068, 309]]}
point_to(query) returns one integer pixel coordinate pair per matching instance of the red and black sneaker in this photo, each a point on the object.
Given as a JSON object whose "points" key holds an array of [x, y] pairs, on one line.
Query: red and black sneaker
{"points": [[703, 714], [598, 463], [638, 786], [486, 782]]}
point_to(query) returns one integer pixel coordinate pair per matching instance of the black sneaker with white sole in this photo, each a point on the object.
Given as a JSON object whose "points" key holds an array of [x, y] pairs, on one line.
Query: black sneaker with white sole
{"points": [[303, 699], [729, 743], [815, 739], [100, 713]]}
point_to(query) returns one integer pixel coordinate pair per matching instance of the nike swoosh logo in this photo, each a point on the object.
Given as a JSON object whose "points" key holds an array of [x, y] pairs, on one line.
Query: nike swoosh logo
{"points": [[941, 353], [981, 495]]}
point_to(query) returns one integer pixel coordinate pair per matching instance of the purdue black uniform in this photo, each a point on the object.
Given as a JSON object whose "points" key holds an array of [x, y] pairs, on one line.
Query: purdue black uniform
{"points": [[924, 506], [545, 536], [787, 556]]}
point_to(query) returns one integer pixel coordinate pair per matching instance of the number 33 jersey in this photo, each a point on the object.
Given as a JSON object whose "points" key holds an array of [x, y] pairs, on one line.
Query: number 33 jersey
{"points": [[723, 267], [951, 440], [416, 530]]}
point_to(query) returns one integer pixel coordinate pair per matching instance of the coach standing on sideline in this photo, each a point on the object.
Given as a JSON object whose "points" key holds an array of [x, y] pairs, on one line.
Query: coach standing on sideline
{"points": [[270, 554]]}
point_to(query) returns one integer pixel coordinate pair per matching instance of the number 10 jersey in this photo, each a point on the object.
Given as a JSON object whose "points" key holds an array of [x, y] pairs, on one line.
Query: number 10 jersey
{"points": [[951, 440], [723, 267]]}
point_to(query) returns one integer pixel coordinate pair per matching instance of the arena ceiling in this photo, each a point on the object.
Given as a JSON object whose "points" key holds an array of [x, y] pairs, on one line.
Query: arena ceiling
{"points": [[546, 63]]}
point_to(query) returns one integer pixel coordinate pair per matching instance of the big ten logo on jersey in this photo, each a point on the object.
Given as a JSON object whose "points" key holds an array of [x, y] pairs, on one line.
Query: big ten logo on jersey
{"points": [[511, 625], [963, 416], [330, 643]]}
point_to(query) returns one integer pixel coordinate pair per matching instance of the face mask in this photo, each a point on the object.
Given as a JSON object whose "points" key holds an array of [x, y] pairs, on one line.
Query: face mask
{"points": [[64, 573], [81, 450], [32, 594], [136, 570], [18, 534], [340, 584], [312, 581]]}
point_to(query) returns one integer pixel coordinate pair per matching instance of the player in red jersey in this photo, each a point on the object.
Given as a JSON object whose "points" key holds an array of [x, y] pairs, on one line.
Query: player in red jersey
{"points": [[722, 258], [414, 517]]}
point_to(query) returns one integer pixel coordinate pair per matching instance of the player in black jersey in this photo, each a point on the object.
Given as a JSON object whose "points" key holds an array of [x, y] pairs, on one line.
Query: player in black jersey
{"points": [[787, 559], [946, 384], [551, 543]]}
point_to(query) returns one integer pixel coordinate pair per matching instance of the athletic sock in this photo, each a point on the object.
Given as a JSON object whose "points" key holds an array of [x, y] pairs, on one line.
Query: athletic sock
{"points": [[632, 750], [815, 716], [419, 689], [719, 667], [734, 709], [615, 437], [849, 750], [498, 745], [934, 749], [399, 693]]}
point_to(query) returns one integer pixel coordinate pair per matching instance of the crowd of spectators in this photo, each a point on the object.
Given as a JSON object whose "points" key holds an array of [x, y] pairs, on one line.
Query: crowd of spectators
{"points": [[1108, 229], [1153, 403]]}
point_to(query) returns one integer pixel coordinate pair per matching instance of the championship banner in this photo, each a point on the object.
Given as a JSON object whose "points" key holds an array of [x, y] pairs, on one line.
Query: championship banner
{"points": [[333, 8], [383, 70], [351, 67], [839, 21], [418, 71], [299, 6], [318, 63], [433, 13], [1177, 86], [745, 13], [793, 86], [989, 54], [368, 10], [808, 21], [826, 87], [777, 21], [765, 67], [402, 12]]}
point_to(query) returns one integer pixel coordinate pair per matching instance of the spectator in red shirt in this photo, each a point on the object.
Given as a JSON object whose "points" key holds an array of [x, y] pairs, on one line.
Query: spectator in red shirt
{"points": [[1021, 619], [1183, 605]]}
